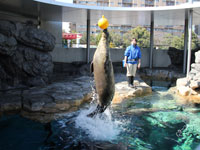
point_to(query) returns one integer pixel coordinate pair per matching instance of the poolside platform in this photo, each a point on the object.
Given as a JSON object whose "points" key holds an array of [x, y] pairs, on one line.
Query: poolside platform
{"points": [[123, 92], [46, 103]]}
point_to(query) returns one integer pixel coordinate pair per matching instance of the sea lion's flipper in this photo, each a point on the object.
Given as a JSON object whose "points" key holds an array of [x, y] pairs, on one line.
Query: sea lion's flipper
{"points": [[98, 110], [91, 67]]}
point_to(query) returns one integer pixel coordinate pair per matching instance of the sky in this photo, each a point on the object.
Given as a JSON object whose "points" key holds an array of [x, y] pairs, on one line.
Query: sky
{"points": [[66, 27]]}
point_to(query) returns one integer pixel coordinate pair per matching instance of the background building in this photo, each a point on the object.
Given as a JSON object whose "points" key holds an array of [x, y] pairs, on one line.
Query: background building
{"points": [[130, 3], [126, 3], [160, 31]]}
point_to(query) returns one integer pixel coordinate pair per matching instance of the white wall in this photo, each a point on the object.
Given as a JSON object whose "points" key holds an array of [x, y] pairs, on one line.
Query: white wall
{"points": [[69, 55], [161, 58], [55, 28], [145, 57]]}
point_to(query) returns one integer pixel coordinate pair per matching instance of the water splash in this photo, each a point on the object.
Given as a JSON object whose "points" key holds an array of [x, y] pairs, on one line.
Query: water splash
{"points": [[101, 127]]}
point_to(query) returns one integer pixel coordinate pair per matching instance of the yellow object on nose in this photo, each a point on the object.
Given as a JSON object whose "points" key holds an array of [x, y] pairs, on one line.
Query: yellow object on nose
{"points": [[103, 23]]}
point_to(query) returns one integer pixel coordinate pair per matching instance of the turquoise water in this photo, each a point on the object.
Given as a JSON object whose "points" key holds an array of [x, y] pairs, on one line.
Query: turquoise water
{"points": [[155, 122], [164, 125]]}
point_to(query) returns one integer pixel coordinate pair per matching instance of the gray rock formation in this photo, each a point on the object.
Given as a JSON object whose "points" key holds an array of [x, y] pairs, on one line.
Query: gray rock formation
{"points": [[49, 102], [38, 39], [194, 75], [191, 86], [43, 103], [24, 57], [176, 56]]}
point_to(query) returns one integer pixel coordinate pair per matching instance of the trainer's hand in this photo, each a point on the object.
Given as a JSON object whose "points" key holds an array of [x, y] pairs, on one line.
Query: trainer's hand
{"points": [[139, 65], [125, 64]]}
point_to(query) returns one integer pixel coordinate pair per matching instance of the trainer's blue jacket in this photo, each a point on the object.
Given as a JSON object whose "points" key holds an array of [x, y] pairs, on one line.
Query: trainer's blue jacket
{"points": [[133, 53]]}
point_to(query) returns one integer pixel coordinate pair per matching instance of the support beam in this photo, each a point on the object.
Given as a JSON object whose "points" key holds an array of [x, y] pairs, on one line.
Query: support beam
{"points": [[38, 18], [185, 42], [151, 41], [190, 18], [88, 37]]}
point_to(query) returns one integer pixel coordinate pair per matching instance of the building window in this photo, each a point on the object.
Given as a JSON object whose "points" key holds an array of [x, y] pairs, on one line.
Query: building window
{"points": [[83, 2], [89, 2], [82, 26], [126, 5], [149, 2], [120, 4], [169, 3], [106, 4], [126, 1], [111, 3], [102, 4], [149, 5]]}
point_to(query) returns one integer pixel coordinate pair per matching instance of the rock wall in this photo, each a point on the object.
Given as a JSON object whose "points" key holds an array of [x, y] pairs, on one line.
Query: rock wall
{"points": [[190, 87], [54, 100], [24, 55], [176, 56]]}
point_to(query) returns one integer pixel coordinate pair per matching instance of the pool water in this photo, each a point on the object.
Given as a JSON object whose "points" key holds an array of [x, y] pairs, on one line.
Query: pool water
{"points": [[155, 122], [17, 133]]}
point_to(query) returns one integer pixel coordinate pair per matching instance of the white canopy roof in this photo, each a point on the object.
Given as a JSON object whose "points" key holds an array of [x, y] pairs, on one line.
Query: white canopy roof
{"points": [[167, 15], [53, 10]]}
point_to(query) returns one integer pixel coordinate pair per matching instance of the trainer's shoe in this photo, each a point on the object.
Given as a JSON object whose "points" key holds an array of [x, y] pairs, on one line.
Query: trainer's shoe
{"points": [[131, 85]]}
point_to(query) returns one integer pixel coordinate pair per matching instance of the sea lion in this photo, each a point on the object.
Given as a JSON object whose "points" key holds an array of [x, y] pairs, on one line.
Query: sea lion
{"points": [[102, 68]]}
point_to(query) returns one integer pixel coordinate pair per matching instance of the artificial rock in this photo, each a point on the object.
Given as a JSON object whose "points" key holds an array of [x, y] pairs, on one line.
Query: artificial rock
{"points": [[24, 55]]}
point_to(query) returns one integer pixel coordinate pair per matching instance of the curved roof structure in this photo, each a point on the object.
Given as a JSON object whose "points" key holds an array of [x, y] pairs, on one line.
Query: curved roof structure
{"points": [[167, 15], [53, 10]]}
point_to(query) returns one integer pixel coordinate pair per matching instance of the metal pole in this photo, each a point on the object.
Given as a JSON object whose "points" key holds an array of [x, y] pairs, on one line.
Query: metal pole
{"points": [[88, 37], [190, 1], [38, 18], [185, 42], [151, 41], [189, 41]]}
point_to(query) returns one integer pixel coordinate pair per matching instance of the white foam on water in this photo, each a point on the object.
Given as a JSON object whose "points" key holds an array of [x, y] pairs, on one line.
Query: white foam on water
{"points": [[100, 127]]}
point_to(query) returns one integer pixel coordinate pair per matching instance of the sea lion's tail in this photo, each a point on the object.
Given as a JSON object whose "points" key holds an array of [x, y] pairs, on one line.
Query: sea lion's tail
{"points": [[99, 109]]}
